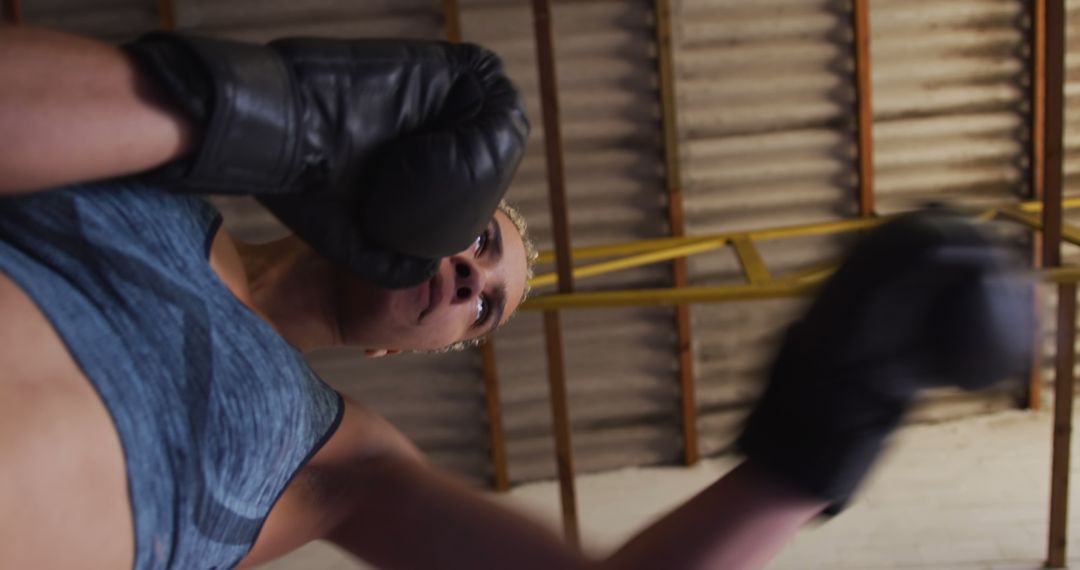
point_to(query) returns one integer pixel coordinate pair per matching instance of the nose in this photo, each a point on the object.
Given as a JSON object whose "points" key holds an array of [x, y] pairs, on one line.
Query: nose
{"points": [[468, 280]]}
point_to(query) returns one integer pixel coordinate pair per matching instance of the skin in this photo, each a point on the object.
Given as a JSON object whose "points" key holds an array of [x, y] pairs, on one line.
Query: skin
{"points": [[315, 305], [63, 498]]}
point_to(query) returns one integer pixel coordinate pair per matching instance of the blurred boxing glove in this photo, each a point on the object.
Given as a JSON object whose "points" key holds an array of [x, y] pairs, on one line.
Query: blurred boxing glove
{"points": [[926, 300], [384, 155]]}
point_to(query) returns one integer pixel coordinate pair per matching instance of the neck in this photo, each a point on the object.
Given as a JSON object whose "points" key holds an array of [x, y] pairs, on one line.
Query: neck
{"points": [[294, 289]]}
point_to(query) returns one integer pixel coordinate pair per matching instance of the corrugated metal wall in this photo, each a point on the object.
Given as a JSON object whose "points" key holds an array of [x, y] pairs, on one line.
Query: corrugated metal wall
{"points": [[765, 95], [766, 128], [949, 101], [1071, 178]]}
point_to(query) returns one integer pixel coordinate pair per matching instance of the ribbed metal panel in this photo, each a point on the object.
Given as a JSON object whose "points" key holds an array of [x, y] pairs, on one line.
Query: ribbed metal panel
{"points": [[262, 20], [1072, 100], [621, 367], [115, 20], [766, 95], [1070, 254], [765, 114], [949, 94]]}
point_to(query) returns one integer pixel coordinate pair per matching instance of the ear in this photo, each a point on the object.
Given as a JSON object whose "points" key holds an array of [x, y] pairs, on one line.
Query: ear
{"points": [[380, 352]]}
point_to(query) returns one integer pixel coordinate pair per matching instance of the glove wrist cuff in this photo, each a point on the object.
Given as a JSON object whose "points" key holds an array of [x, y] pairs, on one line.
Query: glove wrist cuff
{"points": [[246, 110]]}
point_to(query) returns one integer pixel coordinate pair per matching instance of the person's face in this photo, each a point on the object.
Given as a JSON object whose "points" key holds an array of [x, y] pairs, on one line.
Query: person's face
{"points": [[472, 293]]}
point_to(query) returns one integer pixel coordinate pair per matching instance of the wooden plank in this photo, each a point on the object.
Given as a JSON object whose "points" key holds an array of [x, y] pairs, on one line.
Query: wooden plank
{"points": [[1034, 394], [13, 11], [560, 409], [452, 20], [753, 265], [1053, 19], [677, 221], [1063, 412], [860, 21], [1037, 162], [167, 14], [497, 436]]}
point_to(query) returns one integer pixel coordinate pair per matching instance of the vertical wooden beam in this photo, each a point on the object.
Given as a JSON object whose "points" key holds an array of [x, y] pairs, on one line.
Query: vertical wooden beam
{"points": [[676, 219], [497, 437], [1037, 164], [167, 14], [560, 410], [860, 22], [493, 403], [13, 11], [1054, 22], [452, 20], [1057, 543]]}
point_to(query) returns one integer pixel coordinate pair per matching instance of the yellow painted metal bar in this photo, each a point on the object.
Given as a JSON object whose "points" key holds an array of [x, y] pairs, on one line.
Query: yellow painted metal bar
{"points": [[1061, 274], [641, 246], [645, 252], [1069, 233], [670, 296], [812, 274], [666, 254], [753, 265], [628, 248], [802, 284], [1036, 205]]}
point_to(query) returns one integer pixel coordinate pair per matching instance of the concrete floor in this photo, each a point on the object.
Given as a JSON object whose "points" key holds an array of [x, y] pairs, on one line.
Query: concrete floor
{"points": [[969, 494]]}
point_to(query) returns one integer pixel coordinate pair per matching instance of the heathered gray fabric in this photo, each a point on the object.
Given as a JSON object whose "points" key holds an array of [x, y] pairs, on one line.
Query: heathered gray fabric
{"points": [[215, 411]]}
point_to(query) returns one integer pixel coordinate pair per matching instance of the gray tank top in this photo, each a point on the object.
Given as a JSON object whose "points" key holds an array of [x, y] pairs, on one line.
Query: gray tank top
{"points": [[215, 411]]}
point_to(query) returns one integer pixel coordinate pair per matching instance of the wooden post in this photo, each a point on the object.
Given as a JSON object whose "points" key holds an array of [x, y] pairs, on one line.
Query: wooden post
{"points": [[1053, 21], [167, 14], [1058, 538], [676, 219], [560, 410], [13, 11], [860, 20], [1037, 165], [497, 437], [452, 20]]}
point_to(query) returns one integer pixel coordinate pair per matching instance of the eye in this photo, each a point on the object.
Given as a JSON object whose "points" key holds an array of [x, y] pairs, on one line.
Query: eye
{"points": [[480, 245], [482, 309]]}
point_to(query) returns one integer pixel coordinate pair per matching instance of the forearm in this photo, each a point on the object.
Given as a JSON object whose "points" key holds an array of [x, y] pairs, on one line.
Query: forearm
{"points": [[740, 522], [409, 516], [74, 109], [412, 517]]}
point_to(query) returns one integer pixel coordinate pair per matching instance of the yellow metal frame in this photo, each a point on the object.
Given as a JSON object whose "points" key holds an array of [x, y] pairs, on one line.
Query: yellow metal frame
{"points": [[759, 282]]}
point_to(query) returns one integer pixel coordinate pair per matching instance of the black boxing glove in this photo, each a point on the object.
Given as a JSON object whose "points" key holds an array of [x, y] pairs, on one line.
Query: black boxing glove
{"points": [[926, 300], [384, 155]]}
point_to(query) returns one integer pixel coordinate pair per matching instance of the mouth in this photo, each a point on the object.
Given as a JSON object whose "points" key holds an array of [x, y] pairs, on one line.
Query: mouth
{"points": [[434, 295]]}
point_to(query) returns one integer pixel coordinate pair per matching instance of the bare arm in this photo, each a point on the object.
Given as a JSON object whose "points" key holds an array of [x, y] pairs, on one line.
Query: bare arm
{"points": [[739, 522], [407, 516], [74, 109]]}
